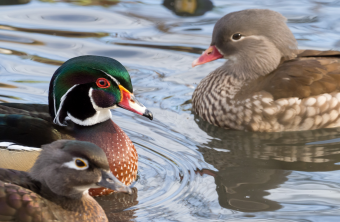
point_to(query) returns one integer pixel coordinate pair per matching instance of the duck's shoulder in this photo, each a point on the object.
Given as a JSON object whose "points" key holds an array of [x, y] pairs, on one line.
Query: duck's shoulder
{"points": [[33, 110], [26, 124], [312, 73], [19, 178]]}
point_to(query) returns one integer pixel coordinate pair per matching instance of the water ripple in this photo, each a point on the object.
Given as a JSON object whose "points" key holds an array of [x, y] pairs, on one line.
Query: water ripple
{"points": [[188, 169]]}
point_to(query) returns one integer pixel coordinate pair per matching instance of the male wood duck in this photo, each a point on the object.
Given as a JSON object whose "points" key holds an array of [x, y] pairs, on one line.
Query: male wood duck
{"points": [[56, 188], [266, 84], [82, 91]]}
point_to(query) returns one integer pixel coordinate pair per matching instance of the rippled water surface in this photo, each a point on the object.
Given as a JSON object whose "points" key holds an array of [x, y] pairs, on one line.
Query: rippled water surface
{"points": [[188, 170]]}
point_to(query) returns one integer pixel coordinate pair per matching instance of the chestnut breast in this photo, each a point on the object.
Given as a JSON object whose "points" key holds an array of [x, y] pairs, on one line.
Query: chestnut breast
{"points": [[120, 151]]}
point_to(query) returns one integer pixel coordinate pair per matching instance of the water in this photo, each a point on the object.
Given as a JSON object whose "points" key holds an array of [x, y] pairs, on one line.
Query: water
{"points": [[188, 169]]}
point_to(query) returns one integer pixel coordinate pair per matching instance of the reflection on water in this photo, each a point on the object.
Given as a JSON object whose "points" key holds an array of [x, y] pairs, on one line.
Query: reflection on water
{"points": [[188, 7], [115, 204], [104, 3], [13, 2], [251, 163], [188, 169]]}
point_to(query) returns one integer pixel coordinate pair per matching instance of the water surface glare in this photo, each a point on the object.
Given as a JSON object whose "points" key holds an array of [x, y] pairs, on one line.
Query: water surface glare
{"points": [[188, 169]]}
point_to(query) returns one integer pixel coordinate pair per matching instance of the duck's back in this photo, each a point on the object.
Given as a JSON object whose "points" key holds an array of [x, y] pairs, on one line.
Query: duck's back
{"points": [[312, 73], [27, 124]]}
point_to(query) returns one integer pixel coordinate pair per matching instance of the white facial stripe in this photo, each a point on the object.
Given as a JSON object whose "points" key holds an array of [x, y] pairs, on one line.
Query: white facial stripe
{"points": [[257, 37], [56, 119], [114, 79], [72, 164], [55, 107]]}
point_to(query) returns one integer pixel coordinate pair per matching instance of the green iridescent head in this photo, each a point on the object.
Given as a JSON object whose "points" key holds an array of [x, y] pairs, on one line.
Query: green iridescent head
{"points": [[85, 88]]}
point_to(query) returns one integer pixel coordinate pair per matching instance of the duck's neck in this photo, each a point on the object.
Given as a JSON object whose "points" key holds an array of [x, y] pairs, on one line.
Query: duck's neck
{"points": [[216, 90], [100, 134], [74, 208], [219, 83], [245, 66], [239, 70]]}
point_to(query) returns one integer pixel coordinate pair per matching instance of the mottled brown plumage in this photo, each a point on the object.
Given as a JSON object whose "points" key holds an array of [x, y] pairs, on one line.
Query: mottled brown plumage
{"points": [[267, 84], [302, 77]]}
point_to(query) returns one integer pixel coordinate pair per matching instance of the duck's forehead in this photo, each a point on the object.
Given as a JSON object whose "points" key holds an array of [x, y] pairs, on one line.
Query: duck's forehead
{"points": [[249, 22], [89, 151], [106, 66]]}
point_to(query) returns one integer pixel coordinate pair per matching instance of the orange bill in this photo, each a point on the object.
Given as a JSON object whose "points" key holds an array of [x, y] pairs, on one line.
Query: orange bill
{"points": [[129, 102]]}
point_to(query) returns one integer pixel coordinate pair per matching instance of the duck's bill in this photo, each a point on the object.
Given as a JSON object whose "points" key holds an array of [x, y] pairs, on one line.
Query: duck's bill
{"points": [[208, 55], [110, 181], [129, 102]]}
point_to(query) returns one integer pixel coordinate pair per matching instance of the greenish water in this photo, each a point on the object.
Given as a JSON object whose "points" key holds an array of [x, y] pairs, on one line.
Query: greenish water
{"points": [[188, 170]]}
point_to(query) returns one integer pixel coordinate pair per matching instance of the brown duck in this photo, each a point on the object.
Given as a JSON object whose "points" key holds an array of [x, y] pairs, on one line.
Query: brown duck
{"points": [[266, 84], [56, 188]]}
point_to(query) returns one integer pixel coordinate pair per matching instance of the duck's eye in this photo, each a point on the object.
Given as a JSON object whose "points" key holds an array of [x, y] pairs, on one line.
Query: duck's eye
{"points": [[80, 163], [77, 163], [103, 83], [236, 36]]}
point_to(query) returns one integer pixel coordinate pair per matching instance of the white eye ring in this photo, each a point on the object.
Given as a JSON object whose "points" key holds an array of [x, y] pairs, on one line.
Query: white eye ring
{"points": [[75, 164]]}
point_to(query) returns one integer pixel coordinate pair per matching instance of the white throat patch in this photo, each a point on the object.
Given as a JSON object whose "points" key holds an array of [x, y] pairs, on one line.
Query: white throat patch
{"points": [[101, 115]]}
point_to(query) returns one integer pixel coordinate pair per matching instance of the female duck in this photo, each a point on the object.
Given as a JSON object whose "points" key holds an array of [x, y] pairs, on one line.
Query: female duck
{"points": [[54, 189], [266, 84], [82, 92]]}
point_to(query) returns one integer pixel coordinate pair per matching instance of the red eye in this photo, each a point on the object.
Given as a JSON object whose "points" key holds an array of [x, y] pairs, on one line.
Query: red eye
{"points": [[103, 83]]}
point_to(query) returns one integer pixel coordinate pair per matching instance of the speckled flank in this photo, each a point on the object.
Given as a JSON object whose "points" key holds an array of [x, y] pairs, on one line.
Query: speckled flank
{"points": [[125, 159], [219, 105]]}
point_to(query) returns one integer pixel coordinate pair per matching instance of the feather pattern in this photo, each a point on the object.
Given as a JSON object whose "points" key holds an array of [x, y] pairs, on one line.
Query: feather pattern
{"points": [[301, 94], [267, 84]]}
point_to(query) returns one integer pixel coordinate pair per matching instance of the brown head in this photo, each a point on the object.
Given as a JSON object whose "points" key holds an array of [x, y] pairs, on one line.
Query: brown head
{"points": [[68, 168], [254, 41]]}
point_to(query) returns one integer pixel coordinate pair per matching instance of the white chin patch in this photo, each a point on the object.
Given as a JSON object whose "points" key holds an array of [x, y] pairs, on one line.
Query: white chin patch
{"points": [[100, 116], [85, 188]]}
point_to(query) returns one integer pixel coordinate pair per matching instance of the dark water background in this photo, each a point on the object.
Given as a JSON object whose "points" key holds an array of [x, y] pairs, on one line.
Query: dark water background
{"points": [[188, 170]]}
